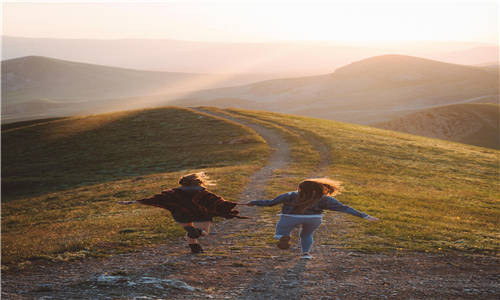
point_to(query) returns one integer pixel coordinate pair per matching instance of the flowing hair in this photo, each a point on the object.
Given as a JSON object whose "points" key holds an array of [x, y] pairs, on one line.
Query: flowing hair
{"points": [[195, 179], [311, 191]]}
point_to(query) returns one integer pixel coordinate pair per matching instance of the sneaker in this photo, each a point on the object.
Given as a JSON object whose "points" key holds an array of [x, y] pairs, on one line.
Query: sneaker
{"points": [[193, 232], [284, 242], [195, 248], [306, 256]]}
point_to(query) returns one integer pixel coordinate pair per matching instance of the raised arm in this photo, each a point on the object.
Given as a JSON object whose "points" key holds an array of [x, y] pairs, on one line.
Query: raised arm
{"points": [[280, 199], [331, 203]]}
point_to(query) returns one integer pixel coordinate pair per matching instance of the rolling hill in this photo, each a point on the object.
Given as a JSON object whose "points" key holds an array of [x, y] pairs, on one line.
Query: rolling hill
{"points": [[49, 165], [34, 77], [286, 58], [62, 178], [365, 92], [474, 124], [36, 87]]}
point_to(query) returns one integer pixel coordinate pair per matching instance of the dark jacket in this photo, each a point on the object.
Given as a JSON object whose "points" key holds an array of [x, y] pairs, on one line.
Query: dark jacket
{"points": [[191, 204], [326, 202]]}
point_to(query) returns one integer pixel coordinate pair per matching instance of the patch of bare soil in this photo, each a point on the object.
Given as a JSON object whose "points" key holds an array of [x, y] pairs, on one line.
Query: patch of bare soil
{"points": [[240, 263]]}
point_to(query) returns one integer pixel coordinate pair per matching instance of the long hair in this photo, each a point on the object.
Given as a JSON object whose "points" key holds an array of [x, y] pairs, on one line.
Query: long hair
{"points": [[195, 179], [311, 191]]}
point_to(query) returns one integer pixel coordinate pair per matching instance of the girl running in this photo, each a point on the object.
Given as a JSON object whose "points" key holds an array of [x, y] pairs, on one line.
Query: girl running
{"points": [[304, 207], [192, 206]]}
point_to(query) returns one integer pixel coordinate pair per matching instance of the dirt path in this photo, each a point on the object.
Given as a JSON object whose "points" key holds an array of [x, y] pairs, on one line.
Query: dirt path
{"points": [[340, 274], [280, 157], [117, 277], [242, 262]]}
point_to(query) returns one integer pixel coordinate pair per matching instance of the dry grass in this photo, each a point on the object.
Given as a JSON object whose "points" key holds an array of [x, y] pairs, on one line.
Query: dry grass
{"points": [[62, 179], [431, 195]]}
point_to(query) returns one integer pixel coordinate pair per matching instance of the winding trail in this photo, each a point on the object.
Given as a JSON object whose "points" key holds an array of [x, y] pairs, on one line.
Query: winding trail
{"points": [[279, 158], [80, 280], [242, 262]]}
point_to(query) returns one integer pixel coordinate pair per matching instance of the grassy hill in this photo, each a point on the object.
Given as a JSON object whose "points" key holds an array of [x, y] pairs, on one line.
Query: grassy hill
{"points": [[35, 87], [432, 195], [372, 90], [36, 77], [61, 180], [474, 124]]}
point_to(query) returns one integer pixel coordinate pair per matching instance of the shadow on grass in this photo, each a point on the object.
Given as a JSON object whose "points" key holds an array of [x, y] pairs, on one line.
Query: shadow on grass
{"points": [[76, 152]]}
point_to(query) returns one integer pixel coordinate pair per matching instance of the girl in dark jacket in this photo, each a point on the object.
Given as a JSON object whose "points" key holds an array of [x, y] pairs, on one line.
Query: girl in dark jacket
{"points": [[192, 206], [305, 207]]}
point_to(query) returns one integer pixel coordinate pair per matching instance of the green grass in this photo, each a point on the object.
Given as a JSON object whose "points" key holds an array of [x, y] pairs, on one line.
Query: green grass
{"points": [[68, 153], [62, 179], [303, 157], [431, 195], [304, 160]]}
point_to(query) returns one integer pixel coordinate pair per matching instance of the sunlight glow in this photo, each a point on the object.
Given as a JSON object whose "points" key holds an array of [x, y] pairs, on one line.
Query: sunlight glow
{"points": [[258, 21]]}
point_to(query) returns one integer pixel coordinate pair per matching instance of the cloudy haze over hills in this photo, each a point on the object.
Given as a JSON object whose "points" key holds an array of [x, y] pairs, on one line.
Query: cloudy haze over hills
{"points": [[364, 92], [281, 58], [36, 86], [361, 63], [369, 91]]}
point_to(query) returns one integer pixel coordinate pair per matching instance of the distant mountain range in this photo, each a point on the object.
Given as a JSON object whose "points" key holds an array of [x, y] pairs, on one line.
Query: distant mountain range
{"points": [[36, 86], [34, 77], [474, 124], [290, 59], [369, 91]]}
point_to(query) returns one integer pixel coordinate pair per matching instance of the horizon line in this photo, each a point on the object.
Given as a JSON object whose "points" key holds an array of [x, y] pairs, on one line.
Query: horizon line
{"points": [[344, 42]]}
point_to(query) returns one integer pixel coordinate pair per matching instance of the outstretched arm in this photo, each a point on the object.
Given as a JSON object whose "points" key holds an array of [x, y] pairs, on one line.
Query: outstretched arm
{"points": [[335, 205], [371, 219], [159, 200], [281, 198]]}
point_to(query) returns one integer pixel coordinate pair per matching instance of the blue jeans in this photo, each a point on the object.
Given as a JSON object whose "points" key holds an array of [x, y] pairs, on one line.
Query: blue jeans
{"points": [[309, 224]]}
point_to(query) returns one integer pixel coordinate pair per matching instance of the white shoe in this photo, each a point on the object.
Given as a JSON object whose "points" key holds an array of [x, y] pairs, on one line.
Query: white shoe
{"points": [[306, 256]]}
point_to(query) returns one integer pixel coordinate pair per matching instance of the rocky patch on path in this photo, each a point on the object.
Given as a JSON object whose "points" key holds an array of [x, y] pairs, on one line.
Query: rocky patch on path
{"points": [[119, 286]]}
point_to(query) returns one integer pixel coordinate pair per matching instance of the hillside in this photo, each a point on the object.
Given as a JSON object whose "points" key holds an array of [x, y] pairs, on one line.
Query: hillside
{"points": [[286, 58], [35, 77], [364, 92], [62, 226], [474, 124], [35, 87], [491, 67], [65, 175]]}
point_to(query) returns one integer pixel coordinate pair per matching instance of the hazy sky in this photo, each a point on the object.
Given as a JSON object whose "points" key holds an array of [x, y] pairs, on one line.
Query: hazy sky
{"points": [[257, 21]]}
